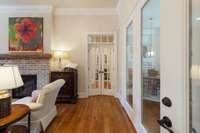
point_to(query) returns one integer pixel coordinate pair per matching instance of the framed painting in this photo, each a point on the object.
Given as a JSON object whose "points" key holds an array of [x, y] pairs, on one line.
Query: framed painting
{"points": [[25, 34]]}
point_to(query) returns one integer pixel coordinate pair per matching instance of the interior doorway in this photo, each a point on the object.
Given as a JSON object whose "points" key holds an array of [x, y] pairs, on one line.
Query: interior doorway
{"points": [[101, 61]]}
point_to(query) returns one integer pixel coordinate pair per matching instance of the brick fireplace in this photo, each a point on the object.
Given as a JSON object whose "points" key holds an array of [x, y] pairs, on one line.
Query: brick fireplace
{"points": [[38, 65]]}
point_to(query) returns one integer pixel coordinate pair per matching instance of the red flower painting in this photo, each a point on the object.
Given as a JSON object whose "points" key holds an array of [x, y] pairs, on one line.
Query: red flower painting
{"points": [[26, 30], [26, 34]]}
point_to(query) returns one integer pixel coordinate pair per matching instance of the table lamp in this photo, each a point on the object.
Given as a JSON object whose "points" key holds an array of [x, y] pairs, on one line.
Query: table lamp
{"points": [[60, 54], [10, 79]]}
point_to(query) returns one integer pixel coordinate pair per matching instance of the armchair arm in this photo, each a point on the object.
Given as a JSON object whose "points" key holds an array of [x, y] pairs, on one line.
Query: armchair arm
{"points": [[34, 106], [36, 91]]}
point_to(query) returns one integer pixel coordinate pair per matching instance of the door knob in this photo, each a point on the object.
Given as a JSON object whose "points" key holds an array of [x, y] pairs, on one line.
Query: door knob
{"points": [[167, 101], [166, 123], [194, 130], [101, 71]]}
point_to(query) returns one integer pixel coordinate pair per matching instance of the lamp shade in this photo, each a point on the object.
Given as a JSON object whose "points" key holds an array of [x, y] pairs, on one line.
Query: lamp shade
{"points": [[10, 77], [61, 54]]}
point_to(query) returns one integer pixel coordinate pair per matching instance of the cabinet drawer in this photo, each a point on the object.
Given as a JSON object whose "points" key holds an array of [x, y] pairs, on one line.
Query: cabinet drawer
{"points": [[66, 92], [65, 76], [69, 89]]}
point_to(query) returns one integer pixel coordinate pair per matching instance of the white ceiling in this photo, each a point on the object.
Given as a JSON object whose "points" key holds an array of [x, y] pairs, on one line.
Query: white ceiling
{"points": [[65, 3]]}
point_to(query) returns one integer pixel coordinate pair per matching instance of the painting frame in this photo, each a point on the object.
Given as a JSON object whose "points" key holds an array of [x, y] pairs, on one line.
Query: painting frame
{"points": [[26, 35]]}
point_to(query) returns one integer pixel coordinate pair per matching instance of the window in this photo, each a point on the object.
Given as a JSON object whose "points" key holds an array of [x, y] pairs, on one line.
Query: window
{"points": [[129, 64]]}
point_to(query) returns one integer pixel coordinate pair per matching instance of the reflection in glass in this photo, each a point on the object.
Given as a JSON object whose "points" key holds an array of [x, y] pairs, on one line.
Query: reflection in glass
{"points": [[129, 65], [151, 65], [195, 67]]}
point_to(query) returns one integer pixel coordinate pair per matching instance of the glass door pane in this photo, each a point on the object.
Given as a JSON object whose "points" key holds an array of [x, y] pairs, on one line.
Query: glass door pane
{"points": [[195, 67], [95, 64], [129, 64], [107, 51], [151, 65]]}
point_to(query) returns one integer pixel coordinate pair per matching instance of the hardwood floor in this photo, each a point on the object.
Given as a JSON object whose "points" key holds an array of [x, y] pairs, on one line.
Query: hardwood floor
{"points": [[151, 112], [98, 114]]}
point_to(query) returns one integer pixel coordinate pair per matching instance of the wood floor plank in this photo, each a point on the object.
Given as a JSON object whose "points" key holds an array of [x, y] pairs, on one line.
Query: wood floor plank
{"points": [[151, 113], [98, 114]]}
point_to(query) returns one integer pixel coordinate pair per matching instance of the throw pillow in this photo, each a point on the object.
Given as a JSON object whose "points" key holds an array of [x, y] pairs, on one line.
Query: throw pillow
{"points": [[35, 95]]}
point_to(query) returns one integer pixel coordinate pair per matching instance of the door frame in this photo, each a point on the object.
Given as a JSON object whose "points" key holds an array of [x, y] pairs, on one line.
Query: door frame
{"points": [[87, 61], [131, 111]]}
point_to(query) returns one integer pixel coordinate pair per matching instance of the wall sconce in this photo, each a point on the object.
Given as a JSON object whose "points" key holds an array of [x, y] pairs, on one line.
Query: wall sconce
{"points": [[60, 55]]}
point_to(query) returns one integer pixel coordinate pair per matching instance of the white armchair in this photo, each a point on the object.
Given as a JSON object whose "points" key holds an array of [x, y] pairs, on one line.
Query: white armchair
{"points": [[43, 110]]}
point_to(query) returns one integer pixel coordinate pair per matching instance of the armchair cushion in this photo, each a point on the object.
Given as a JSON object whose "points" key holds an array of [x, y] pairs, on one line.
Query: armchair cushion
{"points": [[35, 95], [28, 101]]}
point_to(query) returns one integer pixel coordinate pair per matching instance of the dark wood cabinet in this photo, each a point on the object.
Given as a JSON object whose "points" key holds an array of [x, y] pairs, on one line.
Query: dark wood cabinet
{"points": [[68, 93]]}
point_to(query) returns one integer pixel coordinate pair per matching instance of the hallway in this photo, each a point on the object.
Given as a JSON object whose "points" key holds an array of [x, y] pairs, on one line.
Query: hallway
{"points": [[98, 114]]}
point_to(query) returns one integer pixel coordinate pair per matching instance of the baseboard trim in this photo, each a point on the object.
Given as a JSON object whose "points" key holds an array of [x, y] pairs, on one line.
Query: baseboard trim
{"points": [[82, 95], [127, 108], [131, 114], [117, 95]]}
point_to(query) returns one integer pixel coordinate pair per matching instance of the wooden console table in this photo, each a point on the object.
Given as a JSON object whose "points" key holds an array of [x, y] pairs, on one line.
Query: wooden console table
{"points": [[19, 111]]}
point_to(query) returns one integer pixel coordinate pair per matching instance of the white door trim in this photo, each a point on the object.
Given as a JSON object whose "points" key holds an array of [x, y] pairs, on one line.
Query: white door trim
{"points": [[179, 11]]}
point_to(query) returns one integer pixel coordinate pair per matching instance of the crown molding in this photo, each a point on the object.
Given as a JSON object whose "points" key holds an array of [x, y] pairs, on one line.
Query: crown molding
{"points": [[57, 11], [86, 11], [26, 8]]}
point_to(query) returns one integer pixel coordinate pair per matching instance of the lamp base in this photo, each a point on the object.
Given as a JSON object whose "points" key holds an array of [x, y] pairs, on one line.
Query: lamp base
{"points": [[5, 106]]}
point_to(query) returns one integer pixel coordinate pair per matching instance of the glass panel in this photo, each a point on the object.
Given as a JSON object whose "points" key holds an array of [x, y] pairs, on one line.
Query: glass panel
{"points": [[97, 69], [195, 67], [101, 39], [151, 65], [129, 64], [94, 64]]}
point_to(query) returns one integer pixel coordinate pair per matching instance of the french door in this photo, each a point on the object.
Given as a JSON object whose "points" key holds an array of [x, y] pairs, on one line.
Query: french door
{"points": [[165, 79], [101, 68]]}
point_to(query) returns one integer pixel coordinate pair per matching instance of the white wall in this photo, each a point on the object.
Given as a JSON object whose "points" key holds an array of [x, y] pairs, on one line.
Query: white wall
{"points": [[65, 32], [70, 34], [5, 13], [125, 7]]}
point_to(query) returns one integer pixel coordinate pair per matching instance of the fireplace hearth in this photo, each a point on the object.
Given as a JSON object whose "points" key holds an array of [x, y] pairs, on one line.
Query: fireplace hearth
{"points": [[30, 84]]}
